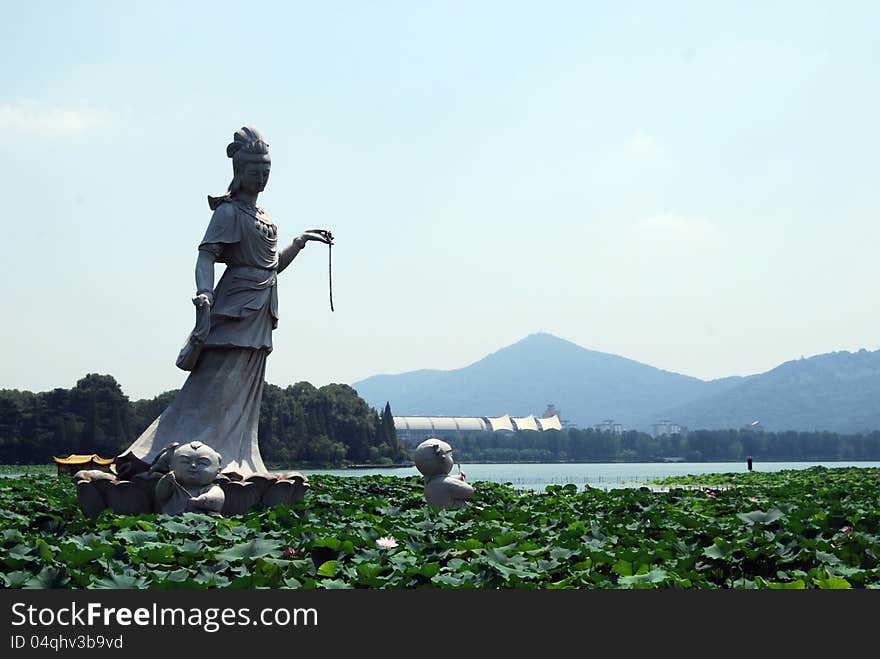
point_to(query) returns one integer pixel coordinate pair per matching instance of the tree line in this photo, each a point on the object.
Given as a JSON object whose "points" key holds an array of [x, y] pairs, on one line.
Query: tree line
{"points": [[590, 445], [331, 426], [300, 425]]}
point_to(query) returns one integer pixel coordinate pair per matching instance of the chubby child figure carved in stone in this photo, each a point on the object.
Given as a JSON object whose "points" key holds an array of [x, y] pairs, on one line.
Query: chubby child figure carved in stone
{"points": [[189, 486], [433, 458]]}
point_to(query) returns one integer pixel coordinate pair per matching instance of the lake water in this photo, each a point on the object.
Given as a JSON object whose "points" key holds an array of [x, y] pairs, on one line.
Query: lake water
{"points": [[601, 475]]}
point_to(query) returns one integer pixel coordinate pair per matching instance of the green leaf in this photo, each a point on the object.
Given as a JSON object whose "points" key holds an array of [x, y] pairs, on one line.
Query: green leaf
{"points": [[832, 583], [448, 580], [825, 557], [120, 581], [495, 555], [655, 576], [253, 549], [20, 552], [334, 584], [136, 537], [330, 543], [11, 536], [369, 570], [328, 568], [178, 576], [156, 552], [561, 554], [213, 574], [44, 551], [720, 549], [469, 544], [761, 517], [48, 577], [192, 547], [173, 526], [798, 584], [16, 579]]}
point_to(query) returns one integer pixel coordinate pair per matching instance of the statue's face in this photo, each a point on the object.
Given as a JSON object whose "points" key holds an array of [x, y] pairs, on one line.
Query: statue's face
{"points": [[195, 466], [255, 177]]}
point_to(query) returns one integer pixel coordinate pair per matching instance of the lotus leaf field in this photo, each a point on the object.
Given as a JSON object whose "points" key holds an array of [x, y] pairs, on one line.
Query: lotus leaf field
{"points": [[813, 528]]}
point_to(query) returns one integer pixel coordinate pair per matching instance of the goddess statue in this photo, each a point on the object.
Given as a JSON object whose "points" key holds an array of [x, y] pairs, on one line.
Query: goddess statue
{"points": [[219, 404]]}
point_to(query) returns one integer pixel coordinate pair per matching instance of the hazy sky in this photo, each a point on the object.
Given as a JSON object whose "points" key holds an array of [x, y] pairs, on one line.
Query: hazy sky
{"points": [[690, 185]]}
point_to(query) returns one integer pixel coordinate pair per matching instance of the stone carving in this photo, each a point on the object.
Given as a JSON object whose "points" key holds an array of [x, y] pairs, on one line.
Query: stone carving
{"points": [[225, 354], [178, 482], [190, 486], [433, 458], [97, 490], [262, 489]]}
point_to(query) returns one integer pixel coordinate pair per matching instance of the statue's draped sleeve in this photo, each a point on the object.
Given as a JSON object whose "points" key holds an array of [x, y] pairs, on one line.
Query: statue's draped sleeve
{"points": [[223, 229]]}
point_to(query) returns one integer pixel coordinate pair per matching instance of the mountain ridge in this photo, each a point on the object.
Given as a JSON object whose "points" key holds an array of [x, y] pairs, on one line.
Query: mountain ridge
{"points": [[831, 391]]}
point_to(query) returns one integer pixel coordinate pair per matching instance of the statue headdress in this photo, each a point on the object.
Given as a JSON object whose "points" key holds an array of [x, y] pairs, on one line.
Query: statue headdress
{"points": [[247, 146]]}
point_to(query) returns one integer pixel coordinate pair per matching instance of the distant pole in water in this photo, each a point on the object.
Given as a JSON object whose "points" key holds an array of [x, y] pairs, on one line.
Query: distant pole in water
{"points": [[749, 462]]}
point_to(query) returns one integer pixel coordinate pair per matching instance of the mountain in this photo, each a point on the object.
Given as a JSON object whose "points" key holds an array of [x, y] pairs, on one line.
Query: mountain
{"points": [[836, 391], [586, 386]]}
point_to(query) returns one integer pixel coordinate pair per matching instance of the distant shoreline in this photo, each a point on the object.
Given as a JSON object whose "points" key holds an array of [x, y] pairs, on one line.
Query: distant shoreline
{"points": [[399, 465]]}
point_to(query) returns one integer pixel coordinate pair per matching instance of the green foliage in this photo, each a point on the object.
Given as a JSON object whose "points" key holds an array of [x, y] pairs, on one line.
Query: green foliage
{"points": [[324, 427], [93, 417], [812, 529], [299, 425], [591, 445]]}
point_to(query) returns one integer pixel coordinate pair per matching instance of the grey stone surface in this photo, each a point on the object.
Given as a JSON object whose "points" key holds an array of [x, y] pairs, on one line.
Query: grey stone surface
{"points": [[219, 404], [190, 486], [433, 459]]}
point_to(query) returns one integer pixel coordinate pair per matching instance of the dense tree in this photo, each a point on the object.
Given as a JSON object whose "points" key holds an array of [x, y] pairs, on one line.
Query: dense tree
{"points": [[301, 425], [92, 417], [589, 445]]}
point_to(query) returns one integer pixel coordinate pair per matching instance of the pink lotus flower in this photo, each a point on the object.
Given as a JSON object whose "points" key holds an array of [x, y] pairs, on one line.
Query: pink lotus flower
{"points": [[41, 498], [290, 552], [710, 494], [846, 530], [755, 499], [386, 542]]}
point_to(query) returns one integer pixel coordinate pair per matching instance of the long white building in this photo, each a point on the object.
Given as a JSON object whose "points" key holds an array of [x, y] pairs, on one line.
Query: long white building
{"points": [[416, 429]]}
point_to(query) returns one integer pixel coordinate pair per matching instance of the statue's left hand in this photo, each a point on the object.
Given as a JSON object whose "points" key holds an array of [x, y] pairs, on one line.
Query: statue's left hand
{"points": [[321, 235]]}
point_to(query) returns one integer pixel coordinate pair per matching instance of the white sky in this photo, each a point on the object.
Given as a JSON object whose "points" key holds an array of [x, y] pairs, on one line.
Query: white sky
{"points": [[691, 185]]}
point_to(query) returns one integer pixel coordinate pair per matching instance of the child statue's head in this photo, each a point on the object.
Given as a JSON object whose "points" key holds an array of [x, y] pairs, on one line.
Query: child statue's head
{"points": [[433, 457], [195, 464]]}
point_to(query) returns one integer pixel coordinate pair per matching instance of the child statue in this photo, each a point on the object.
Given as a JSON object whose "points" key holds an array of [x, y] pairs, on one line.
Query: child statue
{"points": [[433, 458], [189, 486]]}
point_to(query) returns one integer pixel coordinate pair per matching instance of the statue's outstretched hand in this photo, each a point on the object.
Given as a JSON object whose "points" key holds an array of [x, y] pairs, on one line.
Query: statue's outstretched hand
{"points": [[321, 235]]}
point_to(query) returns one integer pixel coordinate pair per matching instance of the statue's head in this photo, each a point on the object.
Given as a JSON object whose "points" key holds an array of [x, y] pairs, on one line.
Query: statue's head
{"points": [[433, 457], [195, 464], [250, 161]]}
